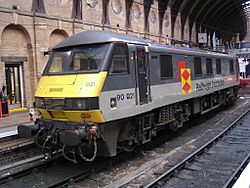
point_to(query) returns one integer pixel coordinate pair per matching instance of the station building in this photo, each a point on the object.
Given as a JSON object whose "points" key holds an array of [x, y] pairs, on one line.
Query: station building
{"points": [[30, 28]]}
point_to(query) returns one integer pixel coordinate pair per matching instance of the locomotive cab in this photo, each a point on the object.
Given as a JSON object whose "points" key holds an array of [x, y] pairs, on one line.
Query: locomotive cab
{"points": [[71, 84], [68, 94]]}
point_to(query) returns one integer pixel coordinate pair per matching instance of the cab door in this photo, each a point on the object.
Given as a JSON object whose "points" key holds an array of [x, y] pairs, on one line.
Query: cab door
{"points": [[142, 74]]}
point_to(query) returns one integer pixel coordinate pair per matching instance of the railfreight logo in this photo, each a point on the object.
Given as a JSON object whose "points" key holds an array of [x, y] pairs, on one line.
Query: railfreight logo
{"points": [[207, 85], [186, 83]]}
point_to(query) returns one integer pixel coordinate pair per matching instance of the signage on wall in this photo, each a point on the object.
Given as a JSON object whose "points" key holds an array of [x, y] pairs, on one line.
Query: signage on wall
{"points": [[92, 3], [152, 16], [166, 20], [136, 12], [116, 6], [202, 37]]}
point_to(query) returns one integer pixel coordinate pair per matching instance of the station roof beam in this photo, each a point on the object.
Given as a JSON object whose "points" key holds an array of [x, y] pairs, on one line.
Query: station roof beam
{"points": [[226, 18]]}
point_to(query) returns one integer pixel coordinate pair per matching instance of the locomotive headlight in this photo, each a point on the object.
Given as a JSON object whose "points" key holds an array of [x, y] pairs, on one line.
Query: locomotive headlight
{"points": [[91, 103], [76, 104], [39, 102]]}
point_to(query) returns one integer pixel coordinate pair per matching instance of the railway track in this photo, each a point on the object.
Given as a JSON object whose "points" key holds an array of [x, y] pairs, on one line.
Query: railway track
{"points": [[10, 141], [14, 143], [57, 173], [23, 165], [13, 149], [216, 164], [8, 138], [17, 154]]}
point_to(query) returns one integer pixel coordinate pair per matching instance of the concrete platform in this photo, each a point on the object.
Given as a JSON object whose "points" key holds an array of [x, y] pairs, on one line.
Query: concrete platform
{"points": [[8, 125], [244, 180], [245, 88]]}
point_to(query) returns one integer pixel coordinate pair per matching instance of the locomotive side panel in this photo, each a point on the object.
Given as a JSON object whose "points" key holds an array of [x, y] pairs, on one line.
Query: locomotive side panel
{"points": [[163, 91], [118, 97]]}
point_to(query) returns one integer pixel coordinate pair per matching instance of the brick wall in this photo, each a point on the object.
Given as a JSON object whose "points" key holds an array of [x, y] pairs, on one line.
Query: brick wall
{"points": [[25, 34]]}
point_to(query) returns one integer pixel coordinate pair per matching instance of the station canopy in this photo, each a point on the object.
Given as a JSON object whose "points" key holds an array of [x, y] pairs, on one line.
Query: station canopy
{"points": [[227, 18]]}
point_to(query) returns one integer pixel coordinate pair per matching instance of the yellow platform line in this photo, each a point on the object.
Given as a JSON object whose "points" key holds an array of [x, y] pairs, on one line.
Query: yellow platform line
{"points": [[18, 110]]}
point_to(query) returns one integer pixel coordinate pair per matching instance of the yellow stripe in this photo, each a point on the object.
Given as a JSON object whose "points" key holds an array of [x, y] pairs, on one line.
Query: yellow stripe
{"points": [[17, 110], [73, 116], [76, 85]]}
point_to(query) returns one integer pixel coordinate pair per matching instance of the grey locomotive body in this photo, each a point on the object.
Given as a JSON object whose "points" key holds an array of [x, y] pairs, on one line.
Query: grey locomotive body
{"points": [[143, 88]]}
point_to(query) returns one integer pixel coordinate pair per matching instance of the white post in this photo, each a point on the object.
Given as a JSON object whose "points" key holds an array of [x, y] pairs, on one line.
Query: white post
{"points": [[214, 41], [21, 84]]}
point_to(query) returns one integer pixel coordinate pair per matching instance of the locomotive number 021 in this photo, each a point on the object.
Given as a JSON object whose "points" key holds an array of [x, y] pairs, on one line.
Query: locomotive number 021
{"points": [[90, 84]]}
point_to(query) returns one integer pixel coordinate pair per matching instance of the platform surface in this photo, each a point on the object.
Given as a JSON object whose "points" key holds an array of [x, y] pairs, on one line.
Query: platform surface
{"points": [[244, 180], [8, 125]]}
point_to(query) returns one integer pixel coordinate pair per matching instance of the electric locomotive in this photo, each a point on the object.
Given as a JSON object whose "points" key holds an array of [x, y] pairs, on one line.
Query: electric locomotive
{"points": [[103, 92]]}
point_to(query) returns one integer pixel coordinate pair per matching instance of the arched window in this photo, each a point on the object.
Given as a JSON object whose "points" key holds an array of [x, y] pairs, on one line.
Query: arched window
{"points": [[105, 16], [38, 6], [77, 9]]}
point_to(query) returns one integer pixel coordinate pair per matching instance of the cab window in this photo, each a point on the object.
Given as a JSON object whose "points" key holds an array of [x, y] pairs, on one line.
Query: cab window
{"points": [[218, 66], [58, 62], [231, 67], [209, 67], [166, 66], [197, 67], [119, 64], [88, 58]]}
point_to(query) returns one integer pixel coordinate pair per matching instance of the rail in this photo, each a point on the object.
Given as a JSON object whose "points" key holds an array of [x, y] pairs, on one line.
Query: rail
{"points": [[193, 156]]}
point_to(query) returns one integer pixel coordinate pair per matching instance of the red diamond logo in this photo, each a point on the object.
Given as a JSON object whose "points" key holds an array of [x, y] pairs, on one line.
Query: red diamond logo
{"points": [[186, 87], [185, 75]]}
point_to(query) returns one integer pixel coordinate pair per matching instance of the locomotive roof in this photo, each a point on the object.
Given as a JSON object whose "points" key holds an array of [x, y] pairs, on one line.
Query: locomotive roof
{"points": [[187, 51], [92, 37]]}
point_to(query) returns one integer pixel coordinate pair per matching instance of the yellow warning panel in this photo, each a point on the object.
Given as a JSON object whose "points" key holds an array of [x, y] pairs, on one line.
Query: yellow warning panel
{"points": [[186, 82]]}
